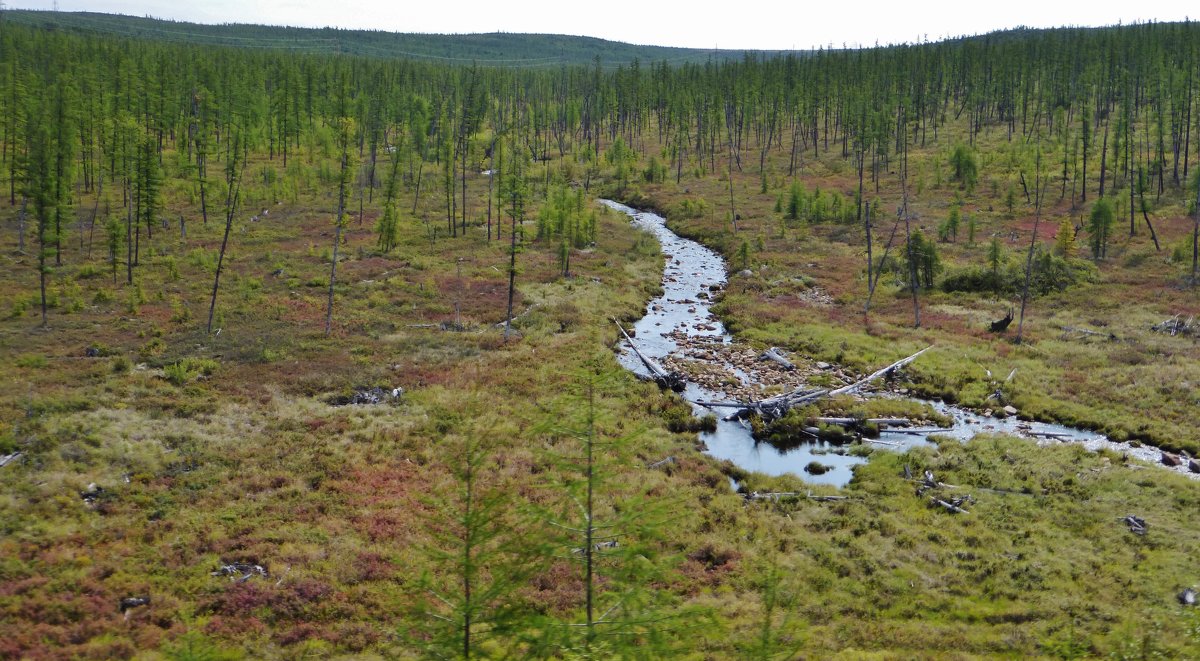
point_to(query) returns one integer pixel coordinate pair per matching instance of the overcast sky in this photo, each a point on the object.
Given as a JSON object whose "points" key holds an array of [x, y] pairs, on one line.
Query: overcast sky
{"points": [[740, 24]]}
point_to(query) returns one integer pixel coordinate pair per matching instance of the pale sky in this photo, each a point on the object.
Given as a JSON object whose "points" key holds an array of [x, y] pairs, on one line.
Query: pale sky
{"points": [[737, 24]]}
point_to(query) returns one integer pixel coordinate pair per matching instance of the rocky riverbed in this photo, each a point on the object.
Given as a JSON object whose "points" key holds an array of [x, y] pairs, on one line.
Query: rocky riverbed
{"points": [[680, 332]]}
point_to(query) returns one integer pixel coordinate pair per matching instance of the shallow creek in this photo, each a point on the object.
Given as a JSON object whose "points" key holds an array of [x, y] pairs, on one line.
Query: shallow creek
{"points": [[692, 275]]}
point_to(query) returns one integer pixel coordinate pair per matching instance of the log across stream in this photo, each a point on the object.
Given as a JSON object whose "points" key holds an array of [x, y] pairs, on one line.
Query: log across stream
{"points": [[691, 277]]}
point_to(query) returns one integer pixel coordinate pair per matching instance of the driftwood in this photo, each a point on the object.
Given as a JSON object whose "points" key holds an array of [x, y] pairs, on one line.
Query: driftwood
{"points": [[669, 380], [598, 546], [7, 459], [776, 407], [881, 442], [1001, 325], [1085, 332], [662, 462], [501, 324], [826, 499], [1137, 525], [775, 355], [776, 496], [954, 505], [917, 432], [133, 602], [1178, 326], [882, 422], [240, 571]]}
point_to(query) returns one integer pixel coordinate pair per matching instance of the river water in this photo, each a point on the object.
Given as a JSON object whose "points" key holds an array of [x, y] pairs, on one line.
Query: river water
{"points": [[693, 273]]}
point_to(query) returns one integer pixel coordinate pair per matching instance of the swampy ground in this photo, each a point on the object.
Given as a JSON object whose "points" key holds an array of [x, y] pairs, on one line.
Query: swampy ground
{"points": [[145, 464]]}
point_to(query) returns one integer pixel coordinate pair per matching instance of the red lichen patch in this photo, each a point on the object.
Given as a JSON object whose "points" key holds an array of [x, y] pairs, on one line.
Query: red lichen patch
{"points": [[234, 627], [383, 500], [558, 589], [708, 565]]}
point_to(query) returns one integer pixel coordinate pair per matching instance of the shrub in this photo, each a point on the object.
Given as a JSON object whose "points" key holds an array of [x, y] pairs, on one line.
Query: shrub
{"points": [[187, 369], [32, 361]]}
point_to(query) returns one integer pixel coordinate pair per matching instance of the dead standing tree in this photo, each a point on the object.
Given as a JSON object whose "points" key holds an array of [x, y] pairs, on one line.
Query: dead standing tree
{"points": [[1037, 219], [345, 133], [234, 169]]}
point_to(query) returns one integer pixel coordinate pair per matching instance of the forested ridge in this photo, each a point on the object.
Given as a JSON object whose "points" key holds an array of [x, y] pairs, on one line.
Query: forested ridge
{"points": [[497, 49], [310, 350]]}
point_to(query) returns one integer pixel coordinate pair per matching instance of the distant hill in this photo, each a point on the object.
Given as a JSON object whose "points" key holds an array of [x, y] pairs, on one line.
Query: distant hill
{"points": [[496, 49]]}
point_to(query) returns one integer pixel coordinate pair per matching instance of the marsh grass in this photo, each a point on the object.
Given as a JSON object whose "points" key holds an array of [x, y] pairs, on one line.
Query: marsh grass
{"points": [[252, 465]]}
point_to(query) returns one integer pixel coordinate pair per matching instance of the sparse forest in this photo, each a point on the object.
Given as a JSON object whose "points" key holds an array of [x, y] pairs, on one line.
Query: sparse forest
{"points": [[310, 352]]}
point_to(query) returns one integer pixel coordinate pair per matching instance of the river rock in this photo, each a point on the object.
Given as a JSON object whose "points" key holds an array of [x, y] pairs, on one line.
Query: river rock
{"points": [[1010, 409]]}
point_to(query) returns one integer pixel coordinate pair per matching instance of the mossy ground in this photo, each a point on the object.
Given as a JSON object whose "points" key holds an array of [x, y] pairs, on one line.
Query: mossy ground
{"points": [[237, 457]]}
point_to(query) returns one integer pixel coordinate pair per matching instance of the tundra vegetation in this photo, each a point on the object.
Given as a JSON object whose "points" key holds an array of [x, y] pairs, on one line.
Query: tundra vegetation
{"points": [[208, 249]]}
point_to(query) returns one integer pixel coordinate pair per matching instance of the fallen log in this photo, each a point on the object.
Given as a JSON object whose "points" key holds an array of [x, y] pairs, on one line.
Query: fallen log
{"points": [[774, 496], [776, 407], [1085, 332], [133, 602], [240, 571], [889, 422], [1049, 434], [669, 380], [826, 499], [500, 324], [876, 440], [1137, 525], [1177, 326], [662, 462], [950, 506], [775, 355]]}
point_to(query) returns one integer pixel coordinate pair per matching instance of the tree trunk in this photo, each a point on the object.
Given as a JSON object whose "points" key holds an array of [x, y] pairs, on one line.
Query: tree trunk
{"points": [[512, 277]]}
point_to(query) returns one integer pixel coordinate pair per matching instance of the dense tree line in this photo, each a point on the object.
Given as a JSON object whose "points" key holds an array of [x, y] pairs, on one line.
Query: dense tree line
{"points": [[91, 117]]}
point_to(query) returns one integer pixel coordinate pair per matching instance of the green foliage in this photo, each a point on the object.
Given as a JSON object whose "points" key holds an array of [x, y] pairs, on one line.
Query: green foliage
{"points": [[32, 361], [965, 167], [796, 201], [189, 369], [194, 646], [563, 216], [621, 158], [655, 172], [948, 230], [692, 208], [925, 261], [1099, 226], [1064, 239]]}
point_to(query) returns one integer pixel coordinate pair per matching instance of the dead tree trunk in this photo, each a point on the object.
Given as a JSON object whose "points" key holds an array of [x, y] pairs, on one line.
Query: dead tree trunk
{"points": [[775, 355], [670, 380], [776, 407]]}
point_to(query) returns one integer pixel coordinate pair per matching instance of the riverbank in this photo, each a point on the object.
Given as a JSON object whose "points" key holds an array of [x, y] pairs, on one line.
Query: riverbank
{"points": [[681, 332]]}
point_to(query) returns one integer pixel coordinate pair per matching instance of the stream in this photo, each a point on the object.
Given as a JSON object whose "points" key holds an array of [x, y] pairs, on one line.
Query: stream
{"points": [[693, 274]]}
